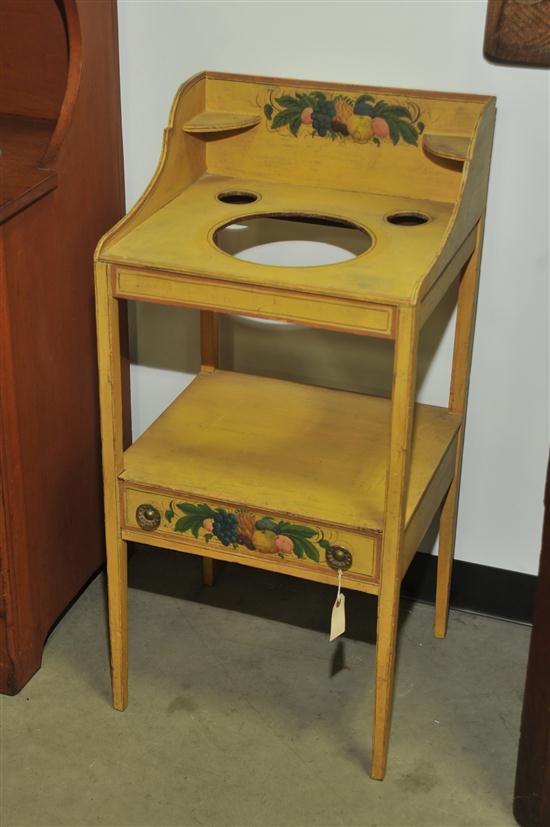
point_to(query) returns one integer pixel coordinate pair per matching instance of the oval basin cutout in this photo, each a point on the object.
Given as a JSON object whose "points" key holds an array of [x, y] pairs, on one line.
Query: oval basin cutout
{"points": [[292, 240], [407, 219], [237, 197]]}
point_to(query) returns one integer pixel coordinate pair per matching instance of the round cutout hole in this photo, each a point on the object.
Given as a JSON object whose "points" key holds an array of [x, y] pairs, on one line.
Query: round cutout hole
{"points": [[237, 197], [292, 240], [407, 219]]}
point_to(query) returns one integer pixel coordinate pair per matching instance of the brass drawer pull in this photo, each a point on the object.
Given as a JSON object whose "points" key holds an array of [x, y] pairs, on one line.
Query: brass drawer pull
{"points": [[339, 558], [148, 517]]}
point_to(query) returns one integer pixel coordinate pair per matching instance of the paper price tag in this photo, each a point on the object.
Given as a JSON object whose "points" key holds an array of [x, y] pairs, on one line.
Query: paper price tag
{"points": [[338, 619]]}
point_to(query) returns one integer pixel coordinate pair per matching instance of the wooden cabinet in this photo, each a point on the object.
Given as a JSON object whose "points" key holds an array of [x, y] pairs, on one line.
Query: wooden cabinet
{"points": [[61, 187], [310, 482]]}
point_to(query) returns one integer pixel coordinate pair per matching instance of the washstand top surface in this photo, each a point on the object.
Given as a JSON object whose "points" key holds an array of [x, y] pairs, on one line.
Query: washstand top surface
{"points": [[407, 168]]}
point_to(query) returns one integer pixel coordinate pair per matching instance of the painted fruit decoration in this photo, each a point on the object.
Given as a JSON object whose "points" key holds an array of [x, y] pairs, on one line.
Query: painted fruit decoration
{"points": [[244, 528], [363, 119]]}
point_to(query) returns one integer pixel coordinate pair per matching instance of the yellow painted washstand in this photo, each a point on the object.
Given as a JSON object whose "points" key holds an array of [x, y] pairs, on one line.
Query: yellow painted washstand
{"points": [[410, 170]]}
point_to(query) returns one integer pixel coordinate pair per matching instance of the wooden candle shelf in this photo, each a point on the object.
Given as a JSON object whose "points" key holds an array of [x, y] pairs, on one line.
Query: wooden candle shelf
{"points": [[454, 147], [409, 171]]}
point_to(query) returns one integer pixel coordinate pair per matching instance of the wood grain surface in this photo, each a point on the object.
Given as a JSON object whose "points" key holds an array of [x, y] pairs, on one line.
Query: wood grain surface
{"points": [[51, 519]]}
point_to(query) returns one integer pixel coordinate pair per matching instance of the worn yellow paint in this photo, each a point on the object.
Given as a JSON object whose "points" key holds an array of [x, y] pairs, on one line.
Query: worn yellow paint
{"points": [[219, 122], [458, 398], [278, 155], [453, 147], [421, 520], [189, 291], [180, 238], [399, 483], [112, 445], [372, 472], [431, 299], [210, 352], [292, 449]]}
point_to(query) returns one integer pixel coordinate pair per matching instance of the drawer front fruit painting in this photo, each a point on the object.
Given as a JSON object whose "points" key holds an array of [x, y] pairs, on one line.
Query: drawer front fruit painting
{"points": [[245, 528], [244, 531]]}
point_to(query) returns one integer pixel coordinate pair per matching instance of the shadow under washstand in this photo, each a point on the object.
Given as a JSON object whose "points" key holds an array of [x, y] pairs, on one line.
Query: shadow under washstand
{"points": [[263, 594]]}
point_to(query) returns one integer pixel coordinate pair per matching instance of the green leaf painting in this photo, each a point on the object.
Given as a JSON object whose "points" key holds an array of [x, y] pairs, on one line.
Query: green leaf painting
{"points": [[242, 527], [363, 119]]}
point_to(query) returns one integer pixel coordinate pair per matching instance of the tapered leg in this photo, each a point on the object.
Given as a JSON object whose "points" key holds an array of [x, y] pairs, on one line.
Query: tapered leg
{"points": [[458, 398], [111, 392], [447, 534], [403, 397], [117, 587], [386, 640], [209, 362]]}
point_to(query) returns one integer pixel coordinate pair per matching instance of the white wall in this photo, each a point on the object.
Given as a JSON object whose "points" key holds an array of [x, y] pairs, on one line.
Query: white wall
{"points": [[426, 45]]}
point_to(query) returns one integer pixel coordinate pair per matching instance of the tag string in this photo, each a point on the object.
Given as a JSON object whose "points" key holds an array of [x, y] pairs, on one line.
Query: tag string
{"points": [[339, 587]]}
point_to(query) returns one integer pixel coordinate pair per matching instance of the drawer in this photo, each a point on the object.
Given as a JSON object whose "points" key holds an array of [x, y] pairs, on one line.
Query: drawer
{"points": [[208, 294], [258, 538]]}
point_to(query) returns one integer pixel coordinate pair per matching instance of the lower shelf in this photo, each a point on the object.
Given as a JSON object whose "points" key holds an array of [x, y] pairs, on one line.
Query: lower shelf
{"points": [[278, 473]]}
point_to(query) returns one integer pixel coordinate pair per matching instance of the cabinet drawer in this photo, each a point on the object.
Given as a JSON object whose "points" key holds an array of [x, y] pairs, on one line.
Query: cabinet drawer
{"points": [[245, 535]]}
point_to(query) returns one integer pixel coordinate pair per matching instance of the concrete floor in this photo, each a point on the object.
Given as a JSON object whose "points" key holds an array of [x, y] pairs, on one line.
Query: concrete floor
{"points": [[241, 712]]}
